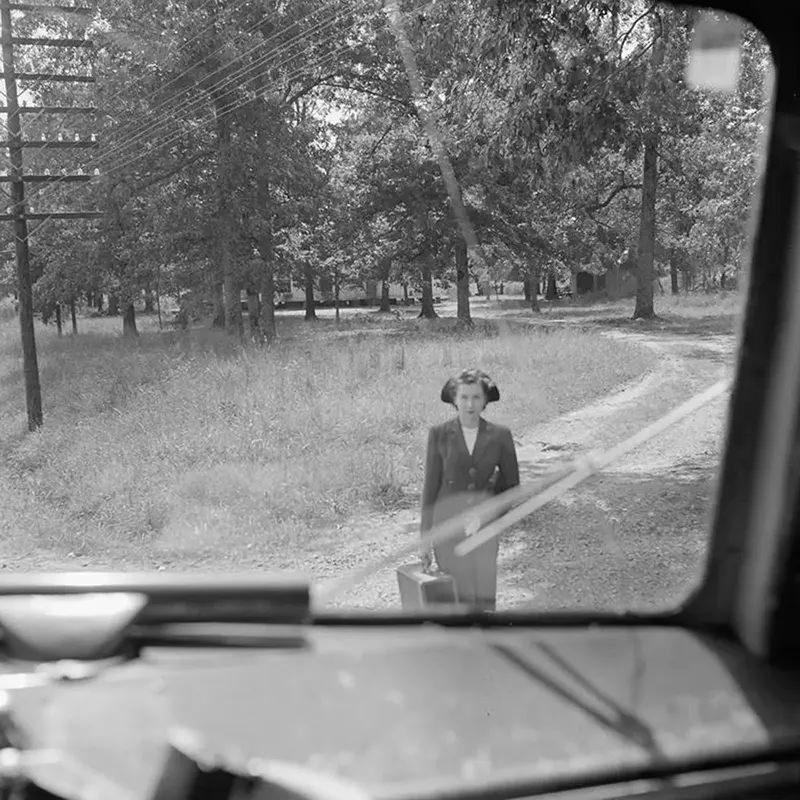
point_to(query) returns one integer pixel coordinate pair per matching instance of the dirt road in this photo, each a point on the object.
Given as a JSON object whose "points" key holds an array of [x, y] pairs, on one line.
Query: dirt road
{"points": [[632, 537]]}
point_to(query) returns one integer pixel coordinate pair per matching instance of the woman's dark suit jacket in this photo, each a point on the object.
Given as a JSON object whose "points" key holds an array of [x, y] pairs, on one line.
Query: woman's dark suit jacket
{"points": [[456, 480]]}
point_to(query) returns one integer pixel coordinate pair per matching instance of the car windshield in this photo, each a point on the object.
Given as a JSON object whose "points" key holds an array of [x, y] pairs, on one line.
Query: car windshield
{"points": [[286, 286]]}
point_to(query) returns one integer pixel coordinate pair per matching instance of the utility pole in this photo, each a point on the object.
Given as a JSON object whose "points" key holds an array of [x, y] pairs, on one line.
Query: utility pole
{"points": [[30, 365], [16, 145]]}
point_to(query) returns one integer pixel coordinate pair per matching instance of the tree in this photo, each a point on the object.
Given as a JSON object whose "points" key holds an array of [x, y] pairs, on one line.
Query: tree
{"points": [[650, 140], [240, 147]]}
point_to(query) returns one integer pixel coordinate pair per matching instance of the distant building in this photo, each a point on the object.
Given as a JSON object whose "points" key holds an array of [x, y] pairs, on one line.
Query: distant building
{"points": [[291, 294], [617, 282]]}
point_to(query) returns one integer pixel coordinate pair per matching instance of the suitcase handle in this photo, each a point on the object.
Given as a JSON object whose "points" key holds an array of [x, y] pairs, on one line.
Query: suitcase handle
{"points": [[434, 571]]}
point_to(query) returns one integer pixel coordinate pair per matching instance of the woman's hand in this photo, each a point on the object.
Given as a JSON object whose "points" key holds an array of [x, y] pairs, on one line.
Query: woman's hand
{"points": [[473, 526]]}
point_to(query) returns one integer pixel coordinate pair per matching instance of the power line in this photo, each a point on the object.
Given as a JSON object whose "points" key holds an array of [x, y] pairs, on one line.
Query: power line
{"points": [[194, 104], [191, 66], [175, 111], [230, 107], [224, 111], [259, 63], [234, 105], [109, 156], [88, 21]]}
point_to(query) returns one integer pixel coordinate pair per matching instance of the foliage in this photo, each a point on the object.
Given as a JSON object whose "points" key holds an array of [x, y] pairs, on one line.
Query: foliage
{"points": [[263, 139]]}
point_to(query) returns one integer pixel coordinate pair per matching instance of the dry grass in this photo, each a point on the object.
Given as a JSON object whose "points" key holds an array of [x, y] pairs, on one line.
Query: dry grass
{"points": [[188, 443]]}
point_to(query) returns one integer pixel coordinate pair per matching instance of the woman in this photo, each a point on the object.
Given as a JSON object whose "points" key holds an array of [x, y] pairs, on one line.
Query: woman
{"points": [[468, 460]]}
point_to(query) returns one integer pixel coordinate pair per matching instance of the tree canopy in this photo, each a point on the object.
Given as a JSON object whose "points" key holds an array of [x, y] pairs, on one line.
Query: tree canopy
{"points": [[243, 144]]}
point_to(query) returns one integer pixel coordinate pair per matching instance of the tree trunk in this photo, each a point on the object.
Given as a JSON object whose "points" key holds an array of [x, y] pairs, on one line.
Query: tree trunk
{"points": [[533, 289], [551, 293], [405, 292], [386, 267], [74, 315], [253, 311], [234, 322], [462, 282], [526, 288], [428, 119], [311, 305], [231, 282], [218, 320], [612, 281], [264, 238], [265, 245], [58, 319], [129, 321], [647, 230], [113, 305], [336, 294], [386, 300], [427, 311], [149, 304], [158, 296], [99, 305], [647, 220], [673, 276], [267, 318]]}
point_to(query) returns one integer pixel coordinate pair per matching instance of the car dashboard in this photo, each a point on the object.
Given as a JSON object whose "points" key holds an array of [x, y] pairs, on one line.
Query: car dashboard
{"points": [[407, 713]]}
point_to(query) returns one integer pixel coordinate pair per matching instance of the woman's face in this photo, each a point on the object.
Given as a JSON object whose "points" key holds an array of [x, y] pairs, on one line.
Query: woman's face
{"points": [[470, 401]]}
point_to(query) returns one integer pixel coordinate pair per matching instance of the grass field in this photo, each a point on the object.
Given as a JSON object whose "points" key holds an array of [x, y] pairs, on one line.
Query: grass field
{"points": [[186, 441], [693, 314]]}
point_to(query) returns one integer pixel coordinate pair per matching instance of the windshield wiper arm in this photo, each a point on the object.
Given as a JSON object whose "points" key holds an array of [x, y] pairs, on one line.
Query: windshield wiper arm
{"points": [[614, 718]]}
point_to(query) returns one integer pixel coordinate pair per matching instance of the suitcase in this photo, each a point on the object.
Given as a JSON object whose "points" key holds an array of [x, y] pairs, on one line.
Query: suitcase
{"points": [[419, 589]]}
